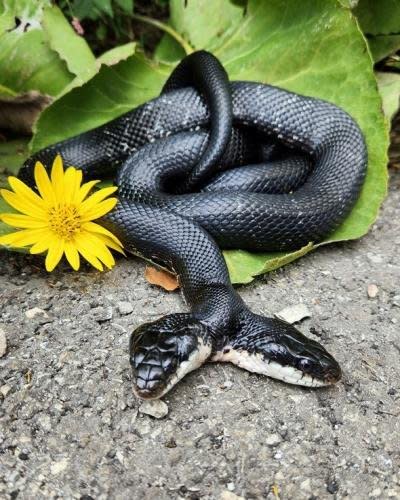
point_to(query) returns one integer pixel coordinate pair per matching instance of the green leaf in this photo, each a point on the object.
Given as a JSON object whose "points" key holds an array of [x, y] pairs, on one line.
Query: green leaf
{"points": [[379, 16], [112, 92], [5, 208], [126, 5], [389, 87], [12, 155], [6, 92], [91, 9], [243, 266], [70, 47], [202, 25], [382, 46], [27, 62], [117, 54], [313, 47], [169, 50]]}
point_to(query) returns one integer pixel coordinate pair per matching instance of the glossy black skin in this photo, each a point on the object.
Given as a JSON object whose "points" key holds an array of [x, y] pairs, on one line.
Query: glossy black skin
{"points": [[311, 163], [158, 348], [281, 342]]}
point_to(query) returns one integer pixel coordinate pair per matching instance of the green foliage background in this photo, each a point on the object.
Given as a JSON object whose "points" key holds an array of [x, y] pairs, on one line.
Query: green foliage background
{"points": [[321, 48]]}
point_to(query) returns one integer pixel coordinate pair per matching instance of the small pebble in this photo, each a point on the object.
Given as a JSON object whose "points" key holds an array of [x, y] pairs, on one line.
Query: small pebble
{"points": [[305, 485], [332, 487], [36, 311], [102, 314], [155, 408], [227, 384], [273, 440], [3, 342], [293, 314], [228, 495], [58, 467], [4, 390], [372, 291], [125, 308]]}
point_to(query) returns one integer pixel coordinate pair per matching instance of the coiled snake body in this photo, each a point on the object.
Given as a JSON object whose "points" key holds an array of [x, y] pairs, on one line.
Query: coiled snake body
{"points": [[242, 164]]}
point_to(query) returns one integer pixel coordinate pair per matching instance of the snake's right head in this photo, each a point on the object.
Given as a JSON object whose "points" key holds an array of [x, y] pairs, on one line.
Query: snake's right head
{"points": [[164, 351]]}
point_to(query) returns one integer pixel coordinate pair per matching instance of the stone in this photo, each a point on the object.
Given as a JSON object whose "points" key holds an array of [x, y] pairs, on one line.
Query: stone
{"points": [[372, 290], [306, 485], [273, 440], [58, 467], [35, 311], [102, 314], [155, 408], [228, 495], [3, 342], [125, 308], [4, 390], [293, 314]]}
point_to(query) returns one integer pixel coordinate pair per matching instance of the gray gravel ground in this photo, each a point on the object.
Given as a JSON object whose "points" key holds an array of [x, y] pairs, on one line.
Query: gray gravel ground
{"points": [[70, 426]]}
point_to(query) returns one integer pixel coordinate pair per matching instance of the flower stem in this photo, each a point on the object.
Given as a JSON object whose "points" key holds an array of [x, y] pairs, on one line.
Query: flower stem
{"points": [[164, 27]]}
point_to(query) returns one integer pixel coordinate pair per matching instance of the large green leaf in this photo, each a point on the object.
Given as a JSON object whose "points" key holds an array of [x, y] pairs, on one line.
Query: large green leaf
{"points": [[313, 47], [380, 20], [382, 46], [112, 92], [42, 52], [12, 155], [379, 17], [389, 87]]}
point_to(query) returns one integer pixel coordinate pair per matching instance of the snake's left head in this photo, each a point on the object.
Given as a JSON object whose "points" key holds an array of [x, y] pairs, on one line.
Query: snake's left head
{"points": [[164, 351]]}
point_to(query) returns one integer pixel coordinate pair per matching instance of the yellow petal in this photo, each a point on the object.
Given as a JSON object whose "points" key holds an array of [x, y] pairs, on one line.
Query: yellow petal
{"points": [[99, 210], [96, 198], [22, 238], [43, 184], [72, 255], [22, 205], [54, 255], [84, 191], [104, 254], [23, 191], [94, 261], [97, 228], [23, 221], [96, 247], [42, 245], [78, 182], [111, 243], [57, 178], [69, 184]]}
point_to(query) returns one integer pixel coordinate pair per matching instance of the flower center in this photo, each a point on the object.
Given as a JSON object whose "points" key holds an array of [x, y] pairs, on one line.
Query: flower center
{"points": [[65, 221]]}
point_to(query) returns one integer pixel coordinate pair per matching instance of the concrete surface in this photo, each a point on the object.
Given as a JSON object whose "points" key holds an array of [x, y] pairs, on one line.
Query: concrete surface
{"points": [[70, 425]]}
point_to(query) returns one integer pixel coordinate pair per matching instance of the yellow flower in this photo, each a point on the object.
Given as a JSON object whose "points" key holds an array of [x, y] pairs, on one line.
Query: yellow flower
{"points": [[59, 220]]}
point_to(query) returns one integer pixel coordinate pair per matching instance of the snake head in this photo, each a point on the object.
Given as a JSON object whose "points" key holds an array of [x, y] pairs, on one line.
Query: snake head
{"points": [[277, 349], [303, 361], [164, 351]]}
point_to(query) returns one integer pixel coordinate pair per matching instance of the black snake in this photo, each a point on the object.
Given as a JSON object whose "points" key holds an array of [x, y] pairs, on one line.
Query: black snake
{"points": [[242, 165]]}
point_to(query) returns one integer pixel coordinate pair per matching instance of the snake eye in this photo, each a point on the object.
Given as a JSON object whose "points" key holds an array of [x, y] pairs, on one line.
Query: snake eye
{"points": [[305, 365]]}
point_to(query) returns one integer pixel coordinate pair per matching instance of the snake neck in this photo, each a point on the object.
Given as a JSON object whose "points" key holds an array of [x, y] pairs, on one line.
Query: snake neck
{"points": [[220, 308]]}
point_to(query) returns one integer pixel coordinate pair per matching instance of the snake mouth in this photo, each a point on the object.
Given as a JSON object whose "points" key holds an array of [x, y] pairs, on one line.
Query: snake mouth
{"points": [[148, 385], [150, 390], [288, 373]]}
